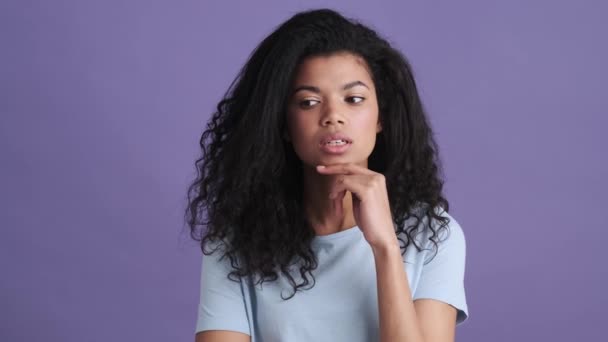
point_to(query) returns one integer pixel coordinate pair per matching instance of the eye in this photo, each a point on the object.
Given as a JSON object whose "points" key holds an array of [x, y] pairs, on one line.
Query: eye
{"points": [[306, 103], [355, 99]]}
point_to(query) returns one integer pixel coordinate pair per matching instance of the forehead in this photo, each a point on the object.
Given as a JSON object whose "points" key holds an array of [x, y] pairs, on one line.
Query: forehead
{"points": [[336, 68]]}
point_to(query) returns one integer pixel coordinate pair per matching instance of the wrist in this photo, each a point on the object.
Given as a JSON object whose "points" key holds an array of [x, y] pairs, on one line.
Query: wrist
{"points": [[387, 249]]}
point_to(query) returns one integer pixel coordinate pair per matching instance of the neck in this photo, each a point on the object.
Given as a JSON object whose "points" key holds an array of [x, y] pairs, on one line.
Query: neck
{"points": [[327, 216]]}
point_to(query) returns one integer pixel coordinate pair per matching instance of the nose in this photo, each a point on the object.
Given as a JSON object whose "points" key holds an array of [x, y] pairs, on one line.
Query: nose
{"points": [[333, 114]]}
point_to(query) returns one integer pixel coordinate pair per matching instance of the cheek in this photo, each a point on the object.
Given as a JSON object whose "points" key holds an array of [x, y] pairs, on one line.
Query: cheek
{"points": [[298, 126], [366, 122], [300, 135], [366, 125]]}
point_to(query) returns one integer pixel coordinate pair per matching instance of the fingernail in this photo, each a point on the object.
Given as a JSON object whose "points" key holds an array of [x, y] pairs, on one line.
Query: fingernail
{"points": [[321, 166]]}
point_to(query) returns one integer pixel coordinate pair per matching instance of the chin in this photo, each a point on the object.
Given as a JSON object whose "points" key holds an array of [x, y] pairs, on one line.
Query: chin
{"points": [[340, 159]]}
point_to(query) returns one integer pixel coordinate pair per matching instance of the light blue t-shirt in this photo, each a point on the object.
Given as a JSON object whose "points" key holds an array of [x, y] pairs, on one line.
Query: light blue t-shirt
{"points": [[343, 304]]}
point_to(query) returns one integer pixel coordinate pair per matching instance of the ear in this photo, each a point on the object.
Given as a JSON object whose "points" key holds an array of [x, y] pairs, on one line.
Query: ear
{"points": [[378, 127]]}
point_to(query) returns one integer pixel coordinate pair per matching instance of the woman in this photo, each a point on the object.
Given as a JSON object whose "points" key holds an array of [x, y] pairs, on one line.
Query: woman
{"points": [[318, 186]]}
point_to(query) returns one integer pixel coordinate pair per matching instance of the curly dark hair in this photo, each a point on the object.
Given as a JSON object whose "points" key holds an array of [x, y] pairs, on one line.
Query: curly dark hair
{"points": [[248, 190]]}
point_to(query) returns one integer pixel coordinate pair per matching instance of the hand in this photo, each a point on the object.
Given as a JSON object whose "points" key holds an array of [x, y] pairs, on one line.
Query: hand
{"points": [[371, 207]]}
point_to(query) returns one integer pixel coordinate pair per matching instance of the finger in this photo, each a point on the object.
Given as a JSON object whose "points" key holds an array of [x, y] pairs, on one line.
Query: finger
{"points": [[345, 169], [352, 183]]}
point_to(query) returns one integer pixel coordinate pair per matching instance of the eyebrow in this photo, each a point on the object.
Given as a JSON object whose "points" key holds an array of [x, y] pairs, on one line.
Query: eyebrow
{"points": [[317, 90]]}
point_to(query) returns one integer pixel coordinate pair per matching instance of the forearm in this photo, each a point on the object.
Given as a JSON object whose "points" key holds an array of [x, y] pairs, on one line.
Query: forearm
{"points": [[398, 319]]}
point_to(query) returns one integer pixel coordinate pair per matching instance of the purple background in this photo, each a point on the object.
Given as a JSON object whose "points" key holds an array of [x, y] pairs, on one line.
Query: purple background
{"points": [[102, 104]]}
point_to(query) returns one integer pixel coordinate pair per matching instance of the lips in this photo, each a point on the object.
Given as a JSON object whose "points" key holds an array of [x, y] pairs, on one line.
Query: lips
{"points": [[335, 136]]}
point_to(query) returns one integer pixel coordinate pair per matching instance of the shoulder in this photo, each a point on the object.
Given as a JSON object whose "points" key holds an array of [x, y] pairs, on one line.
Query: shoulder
{"points": [[217, 260], [440, 235], [453, 233]]}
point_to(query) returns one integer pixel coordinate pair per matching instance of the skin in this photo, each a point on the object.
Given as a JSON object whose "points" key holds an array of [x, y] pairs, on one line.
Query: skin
{"points": [[341, 192], [329, 109]]}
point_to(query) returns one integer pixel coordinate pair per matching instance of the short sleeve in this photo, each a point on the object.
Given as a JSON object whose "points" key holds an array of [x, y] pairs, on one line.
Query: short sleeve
{"points": [[222, 304], [442, 278]]}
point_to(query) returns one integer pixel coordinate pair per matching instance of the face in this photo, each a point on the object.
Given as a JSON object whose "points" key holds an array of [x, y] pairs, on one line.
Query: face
{"points": [[333, 95]]}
